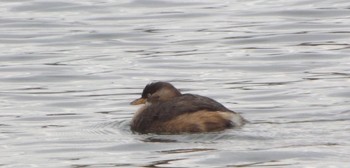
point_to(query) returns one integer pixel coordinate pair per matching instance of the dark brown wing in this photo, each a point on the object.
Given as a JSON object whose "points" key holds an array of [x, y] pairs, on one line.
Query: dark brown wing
{"points": [[187, 103], [164, 111]]}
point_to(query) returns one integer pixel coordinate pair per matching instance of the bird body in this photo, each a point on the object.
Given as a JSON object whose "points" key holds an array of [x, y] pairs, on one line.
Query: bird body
{"points": [[167, 111]]}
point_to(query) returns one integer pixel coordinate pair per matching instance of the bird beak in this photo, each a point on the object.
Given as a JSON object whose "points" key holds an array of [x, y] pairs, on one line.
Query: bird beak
{"points": [[138, 101]]}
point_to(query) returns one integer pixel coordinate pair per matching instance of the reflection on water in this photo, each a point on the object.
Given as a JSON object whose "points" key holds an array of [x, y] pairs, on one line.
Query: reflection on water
{"points": [[70, 69]]}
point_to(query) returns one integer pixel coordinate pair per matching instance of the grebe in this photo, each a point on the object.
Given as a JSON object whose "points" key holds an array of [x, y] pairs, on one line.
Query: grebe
{"points": [[167, 111]]}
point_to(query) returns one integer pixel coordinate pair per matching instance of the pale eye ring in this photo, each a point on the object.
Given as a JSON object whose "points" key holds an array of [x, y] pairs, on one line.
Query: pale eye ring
{"points": [[149, 95]]}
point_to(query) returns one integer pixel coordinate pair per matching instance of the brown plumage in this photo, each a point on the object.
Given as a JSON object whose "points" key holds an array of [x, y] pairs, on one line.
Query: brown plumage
{"points": [[167, 111]]}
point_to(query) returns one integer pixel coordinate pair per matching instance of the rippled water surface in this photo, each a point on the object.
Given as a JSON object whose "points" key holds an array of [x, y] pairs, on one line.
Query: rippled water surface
{"points": [[70, 68]]}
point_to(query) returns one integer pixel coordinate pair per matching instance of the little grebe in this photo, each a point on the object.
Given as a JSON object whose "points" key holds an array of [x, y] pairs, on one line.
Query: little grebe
{"points": [[167, 111]]}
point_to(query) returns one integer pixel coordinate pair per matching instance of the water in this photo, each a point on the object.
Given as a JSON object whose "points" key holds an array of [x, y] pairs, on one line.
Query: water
{"points": [[69, 70]]}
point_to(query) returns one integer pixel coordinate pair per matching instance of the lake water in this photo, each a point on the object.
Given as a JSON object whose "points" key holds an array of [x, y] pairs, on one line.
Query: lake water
{"points": [[68, 71]]}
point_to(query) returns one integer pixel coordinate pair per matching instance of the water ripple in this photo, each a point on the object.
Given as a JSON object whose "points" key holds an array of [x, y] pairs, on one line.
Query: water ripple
{"points": [[70, 69]]}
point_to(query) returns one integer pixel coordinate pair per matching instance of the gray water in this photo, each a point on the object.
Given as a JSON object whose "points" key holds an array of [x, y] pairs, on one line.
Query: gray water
{"points": [[68, 70]]}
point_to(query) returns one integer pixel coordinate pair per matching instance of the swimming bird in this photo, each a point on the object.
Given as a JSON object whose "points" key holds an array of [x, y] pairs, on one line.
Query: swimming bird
{"points": [[167, 111]]}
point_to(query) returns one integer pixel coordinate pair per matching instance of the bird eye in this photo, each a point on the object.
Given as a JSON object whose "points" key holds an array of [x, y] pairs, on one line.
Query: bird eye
{"points": [[149, 95]]}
